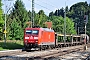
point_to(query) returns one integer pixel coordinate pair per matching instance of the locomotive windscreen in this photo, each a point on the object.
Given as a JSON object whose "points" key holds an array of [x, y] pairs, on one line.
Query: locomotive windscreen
{"points": [[32, 32]]}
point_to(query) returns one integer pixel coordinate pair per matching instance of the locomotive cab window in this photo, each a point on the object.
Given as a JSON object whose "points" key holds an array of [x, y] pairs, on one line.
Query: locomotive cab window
{"points": [[28, 31], [32, 32], [35, 32]]}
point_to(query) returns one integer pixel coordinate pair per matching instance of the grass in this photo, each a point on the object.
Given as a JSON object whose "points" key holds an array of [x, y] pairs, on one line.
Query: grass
{"points": [[11, 44]]}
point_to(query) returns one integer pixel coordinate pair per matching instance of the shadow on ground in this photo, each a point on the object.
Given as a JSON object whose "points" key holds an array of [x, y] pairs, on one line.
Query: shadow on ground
{"points": [[10, 45]]}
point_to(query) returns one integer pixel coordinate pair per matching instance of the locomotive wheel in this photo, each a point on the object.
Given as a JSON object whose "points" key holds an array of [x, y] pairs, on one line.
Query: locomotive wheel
{"points": [[51, 47], [47, 47], [44, 47], [40, 48]]}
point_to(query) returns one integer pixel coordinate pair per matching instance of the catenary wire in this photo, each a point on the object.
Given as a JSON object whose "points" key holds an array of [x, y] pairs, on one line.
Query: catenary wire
{"points": [[42, 6]]}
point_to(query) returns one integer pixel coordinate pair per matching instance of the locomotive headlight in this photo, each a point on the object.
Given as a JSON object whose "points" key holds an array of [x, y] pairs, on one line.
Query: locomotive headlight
{"points": [[35, 37], [26, 37], [36, 41]]}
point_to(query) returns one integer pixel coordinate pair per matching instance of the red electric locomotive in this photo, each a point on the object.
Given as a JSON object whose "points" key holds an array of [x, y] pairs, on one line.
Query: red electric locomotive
{"points": [[38, 38]]}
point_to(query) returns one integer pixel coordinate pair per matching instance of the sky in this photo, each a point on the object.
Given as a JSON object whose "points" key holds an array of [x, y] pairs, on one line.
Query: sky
{"points": [[46, 5]]}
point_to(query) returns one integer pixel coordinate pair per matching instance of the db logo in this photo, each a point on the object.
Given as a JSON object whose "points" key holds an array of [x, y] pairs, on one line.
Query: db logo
{"points": [[31, 37]]}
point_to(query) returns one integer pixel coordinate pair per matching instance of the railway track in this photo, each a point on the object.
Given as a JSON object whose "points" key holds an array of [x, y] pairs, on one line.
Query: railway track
{"points": [[59, 53], [12, 55], [44, 54]]}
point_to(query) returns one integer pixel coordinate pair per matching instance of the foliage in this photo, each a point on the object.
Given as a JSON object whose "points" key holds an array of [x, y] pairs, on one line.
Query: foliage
{"points": [[79, 10], [59, 12], [58, 25], [1, 21], [20, 13], [76, 13], [16, 31], [70, 26], [18, 17], [40, 18]]}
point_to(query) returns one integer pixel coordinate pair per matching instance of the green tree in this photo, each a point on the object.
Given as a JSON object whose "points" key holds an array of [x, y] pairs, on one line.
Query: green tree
{"points": [[70, 29], [40, 18], [29, 15], [88, 24], [51, 14], [58, 25], [16, 32], [21, 13], [18, 15], [59, 12], [77, 12], [1, 21]]}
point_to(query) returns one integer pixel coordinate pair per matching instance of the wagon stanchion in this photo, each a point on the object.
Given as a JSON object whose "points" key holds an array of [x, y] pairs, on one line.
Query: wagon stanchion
{"points": [[85, 47]]}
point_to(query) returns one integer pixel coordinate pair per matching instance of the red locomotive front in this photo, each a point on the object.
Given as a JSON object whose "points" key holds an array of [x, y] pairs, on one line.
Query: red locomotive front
{"points": [[31, 37], [38, 38]]}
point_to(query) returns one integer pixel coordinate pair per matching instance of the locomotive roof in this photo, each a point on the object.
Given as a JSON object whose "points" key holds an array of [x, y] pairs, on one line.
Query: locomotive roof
{"points": [[45, 29]]}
